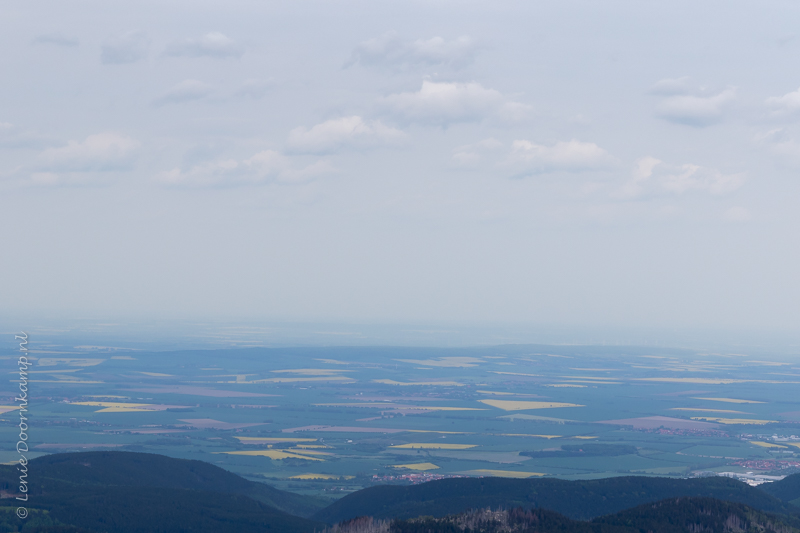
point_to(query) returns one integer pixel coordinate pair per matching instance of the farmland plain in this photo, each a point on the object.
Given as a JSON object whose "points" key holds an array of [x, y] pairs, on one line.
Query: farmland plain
{"points": [[333, 420]]}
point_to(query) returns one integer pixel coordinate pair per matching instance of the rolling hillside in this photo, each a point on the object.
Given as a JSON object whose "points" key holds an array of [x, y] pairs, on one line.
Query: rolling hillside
{"points": [[124, 492], [676, 515], [580, 500], [64, 471], [786, 490]]}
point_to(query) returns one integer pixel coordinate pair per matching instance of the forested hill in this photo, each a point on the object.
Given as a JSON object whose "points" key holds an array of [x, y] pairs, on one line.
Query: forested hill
{"points": [[786, 490], [65, 471], [580, 500], [677, 515], [125, 492]]}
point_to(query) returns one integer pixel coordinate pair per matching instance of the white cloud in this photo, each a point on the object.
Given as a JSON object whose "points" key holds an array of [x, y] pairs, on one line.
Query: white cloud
{"points": [[391, 50], [525, 158], [781, 143], [671, 86], [567, 156], [263, 168], [737, 214], [788, 103], [57, 39], [696, 110], [97, 153], [445, 103], [472, 155], [214, 44], [352, 132], [127, 48], [185, 91], [652, 176], [641, 173], [685, 103]]}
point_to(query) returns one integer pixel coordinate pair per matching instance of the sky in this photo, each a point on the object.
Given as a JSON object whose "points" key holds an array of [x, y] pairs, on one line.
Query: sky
{"points": [[571, 163]]}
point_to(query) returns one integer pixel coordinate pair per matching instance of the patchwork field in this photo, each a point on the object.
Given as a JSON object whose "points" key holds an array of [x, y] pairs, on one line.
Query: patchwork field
{"points": [[331, 420]]}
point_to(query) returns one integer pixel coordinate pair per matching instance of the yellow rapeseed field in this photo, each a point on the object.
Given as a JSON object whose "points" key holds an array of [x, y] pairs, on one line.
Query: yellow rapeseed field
{"points": [[728, 400], [766, 444], [117, 407], [512, 405], [417, 466]]}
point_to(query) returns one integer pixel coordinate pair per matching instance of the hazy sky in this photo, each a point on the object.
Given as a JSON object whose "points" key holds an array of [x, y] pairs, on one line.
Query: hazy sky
{"points": [[577, 163]]}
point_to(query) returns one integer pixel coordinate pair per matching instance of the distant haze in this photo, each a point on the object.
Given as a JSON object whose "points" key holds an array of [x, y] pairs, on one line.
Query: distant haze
{"points": [[593, 164]]}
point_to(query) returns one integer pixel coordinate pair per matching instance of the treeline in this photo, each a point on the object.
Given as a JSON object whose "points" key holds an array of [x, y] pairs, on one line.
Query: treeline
{"points": [[580, 499], [677, 515]]}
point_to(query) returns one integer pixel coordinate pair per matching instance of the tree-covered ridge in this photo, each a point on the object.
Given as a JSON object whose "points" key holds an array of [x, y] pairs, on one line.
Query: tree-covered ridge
{"points": [[125, 492], [582, 499], [63, 472], [677, 515], [787, 489]]}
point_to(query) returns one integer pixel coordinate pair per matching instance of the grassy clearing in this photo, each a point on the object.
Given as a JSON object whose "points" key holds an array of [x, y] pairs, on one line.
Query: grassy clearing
{"points": [[526, 435], [274, 454], [320, 476], [503, 473], [119, 405], [69, 361], [382, 405], [434, 446], [311, 371], [737, 421], [595, 382], [271, 440], [344, 379], [514, 374], [700, 381], [418, 383], [445, 362], [699, 410]]}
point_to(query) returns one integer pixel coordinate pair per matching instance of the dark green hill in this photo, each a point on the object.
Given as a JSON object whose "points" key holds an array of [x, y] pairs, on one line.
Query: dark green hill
{"points": [[692, 515], [677, 515], [122, 492], [786, 490], [160, 510], [61, 471], [580, 500]]}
